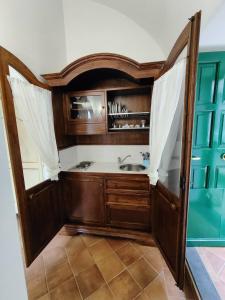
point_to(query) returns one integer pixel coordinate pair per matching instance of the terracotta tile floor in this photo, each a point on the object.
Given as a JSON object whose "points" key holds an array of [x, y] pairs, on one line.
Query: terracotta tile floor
{"points": [[213, 259], [98, 268]]}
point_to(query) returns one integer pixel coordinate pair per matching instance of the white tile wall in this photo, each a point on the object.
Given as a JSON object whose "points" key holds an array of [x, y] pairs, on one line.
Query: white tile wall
{"points": [[103, 153]]}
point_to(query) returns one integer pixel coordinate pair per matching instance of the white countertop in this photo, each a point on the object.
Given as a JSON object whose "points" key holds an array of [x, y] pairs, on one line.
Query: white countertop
{"points": [[106, 167]]}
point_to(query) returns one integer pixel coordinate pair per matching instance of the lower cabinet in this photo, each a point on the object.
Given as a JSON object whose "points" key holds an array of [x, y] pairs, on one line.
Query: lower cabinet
{"points": [[110, 200], [84, 199], [128, 216]]}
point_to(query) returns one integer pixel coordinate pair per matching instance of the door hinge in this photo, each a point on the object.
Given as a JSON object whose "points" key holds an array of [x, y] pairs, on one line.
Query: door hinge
{"points": [[183, 183]]}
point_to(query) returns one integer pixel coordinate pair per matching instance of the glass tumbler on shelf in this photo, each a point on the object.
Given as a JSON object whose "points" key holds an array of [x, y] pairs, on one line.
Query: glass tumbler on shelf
{"points": [[143, 123]]}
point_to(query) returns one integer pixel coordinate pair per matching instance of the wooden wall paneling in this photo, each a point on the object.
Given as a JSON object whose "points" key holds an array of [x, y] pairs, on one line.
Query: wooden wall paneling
{"points": [[118, 138], [44, 213], [62, 139]]}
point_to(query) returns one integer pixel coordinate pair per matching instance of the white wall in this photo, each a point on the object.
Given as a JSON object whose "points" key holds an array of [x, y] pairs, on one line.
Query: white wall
{"points": [[12, 279], [164, 20], [70, 157], [212, 36], [33, 30], [91, 27]]}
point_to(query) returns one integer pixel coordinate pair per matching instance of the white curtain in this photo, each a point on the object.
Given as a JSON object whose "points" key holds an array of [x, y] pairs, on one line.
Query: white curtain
{"points": [[33, 105], [165, 98]]}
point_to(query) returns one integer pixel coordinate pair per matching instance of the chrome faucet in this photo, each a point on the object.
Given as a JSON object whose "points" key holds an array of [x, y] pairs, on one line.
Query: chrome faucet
{"points": [[120, 160]]}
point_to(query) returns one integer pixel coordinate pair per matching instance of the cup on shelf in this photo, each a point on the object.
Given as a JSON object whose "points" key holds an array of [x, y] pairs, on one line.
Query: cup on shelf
{"points": [[143, 123]]}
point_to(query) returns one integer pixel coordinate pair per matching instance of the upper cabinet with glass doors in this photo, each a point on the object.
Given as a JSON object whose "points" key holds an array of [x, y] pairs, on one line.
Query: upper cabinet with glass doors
{"points": [[84, 113]]}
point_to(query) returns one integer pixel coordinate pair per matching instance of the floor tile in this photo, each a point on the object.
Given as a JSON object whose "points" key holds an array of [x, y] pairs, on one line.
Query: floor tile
{"points": [[81, 261], [128, 254], [58, 241], [116, 243], [36, 269], [156, 289], [45, 297], [215, 261], [90, 239], [54, 257], [58, 275], [220, 286], [89, 281], [172, 290], [75, 245], [110, 266], [142, 272], [100, 250], [124, 287], [222, 275], [102, 293], [66, 291], [37, 287], [153, 256], [142, 296]]}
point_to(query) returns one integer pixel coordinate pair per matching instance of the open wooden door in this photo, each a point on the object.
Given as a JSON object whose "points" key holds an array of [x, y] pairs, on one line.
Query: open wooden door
{"points": [[170, 201], [38, 207]]}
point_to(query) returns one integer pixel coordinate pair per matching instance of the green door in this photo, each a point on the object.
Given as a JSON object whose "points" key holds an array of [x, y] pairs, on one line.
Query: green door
{"points": [[206, 216]]}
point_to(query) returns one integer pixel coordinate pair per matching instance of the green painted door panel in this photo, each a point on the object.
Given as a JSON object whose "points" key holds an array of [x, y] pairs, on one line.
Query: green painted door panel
{"points": [[206, 216], [206, 88]]}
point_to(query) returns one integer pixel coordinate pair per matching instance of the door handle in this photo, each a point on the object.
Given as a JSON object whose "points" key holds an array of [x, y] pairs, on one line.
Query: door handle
{"points": [[222, 156], [198, 157]]}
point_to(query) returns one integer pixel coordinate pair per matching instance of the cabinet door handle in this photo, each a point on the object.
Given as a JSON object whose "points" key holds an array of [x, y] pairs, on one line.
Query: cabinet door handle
{"points": [[195, 157], [223, 156]]}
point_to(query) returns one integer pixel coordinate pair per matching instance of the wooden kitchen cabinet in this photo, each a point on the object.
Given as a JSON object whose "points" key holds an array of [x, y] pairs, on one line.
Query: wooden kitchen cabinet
{"points": [[128, 202], [84, 113], [129, 73], [120, 201], [84, 199]]}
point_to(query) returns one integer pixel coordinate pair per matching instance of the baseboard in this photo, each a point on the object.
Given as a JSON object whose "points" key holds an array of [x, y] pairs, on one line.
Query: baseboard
{"points": [[142, 237]]}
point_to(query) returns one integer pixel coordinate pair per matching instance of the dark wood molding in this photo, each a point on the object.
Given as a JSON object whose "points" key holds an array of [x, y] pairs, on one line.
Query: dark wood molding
{"points": [[178, 47], [191, 71], [73, 229], [104, 60]]}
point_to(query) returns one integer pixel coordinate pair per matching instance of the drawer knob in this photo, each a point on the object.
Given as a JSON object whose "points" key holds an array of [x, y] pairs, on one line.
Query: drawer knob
{"points": [[173, 206]]}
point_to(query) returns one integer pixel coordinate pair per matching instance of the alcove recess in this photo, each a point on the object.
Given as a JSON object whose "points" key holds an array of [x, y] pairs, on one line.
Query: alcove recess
{"points": [[126, 123]]}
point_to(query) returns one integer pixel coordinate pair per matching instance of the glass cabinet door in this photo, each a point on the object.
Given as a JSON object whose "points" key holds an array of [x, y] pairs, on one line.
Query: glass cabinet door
{"points": [[86, 107]]}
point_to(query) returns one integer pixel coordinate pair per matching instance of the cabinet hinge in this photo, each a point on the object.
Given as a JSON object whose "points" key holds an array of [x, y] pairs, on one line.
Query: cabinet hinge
{"points": [[183, 183]]}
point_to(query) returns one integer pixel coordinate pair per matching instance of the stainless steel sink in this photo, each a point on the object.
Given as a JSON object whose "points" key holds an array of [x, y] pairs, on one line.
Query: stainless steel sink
{"points": [[132, 167]]}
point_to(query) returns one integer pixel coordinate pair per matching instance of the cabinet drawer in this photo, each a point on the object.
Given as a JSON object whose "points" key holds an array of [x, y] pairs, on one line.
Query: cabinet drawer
{"points": [[128, 199], [128, 216], [119, 183], [85, 128]]}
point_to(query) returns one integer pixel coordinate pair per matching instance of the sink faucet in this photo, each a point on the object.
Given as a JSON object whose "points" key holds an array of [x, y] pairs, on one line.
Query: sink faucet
{"points": [[120, 160]]}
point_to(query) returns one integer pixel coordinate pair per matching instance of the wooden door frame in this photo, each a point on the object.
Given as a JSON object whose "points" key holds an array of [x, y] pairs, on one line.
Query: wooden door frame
{"points": [[188, 39], [7, 59]]}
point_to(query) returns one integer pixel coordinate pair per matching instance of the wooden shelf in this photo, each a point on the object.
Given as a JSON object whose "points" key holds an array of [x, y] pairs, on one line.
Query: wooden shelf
{"points": [[130, 113], [135, 128]]}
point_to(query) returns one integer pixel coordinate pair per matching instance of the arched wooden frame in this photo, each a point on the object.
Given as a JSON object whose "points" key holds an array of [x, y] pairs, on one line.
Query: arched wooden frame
{"points": [[7, 59], [104, 60]]}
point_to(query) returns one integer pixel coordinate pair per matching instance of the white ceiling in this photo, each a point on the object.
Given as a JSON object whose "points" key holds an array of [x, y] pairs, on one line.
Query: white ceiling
{"points": [[164, 19]]}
